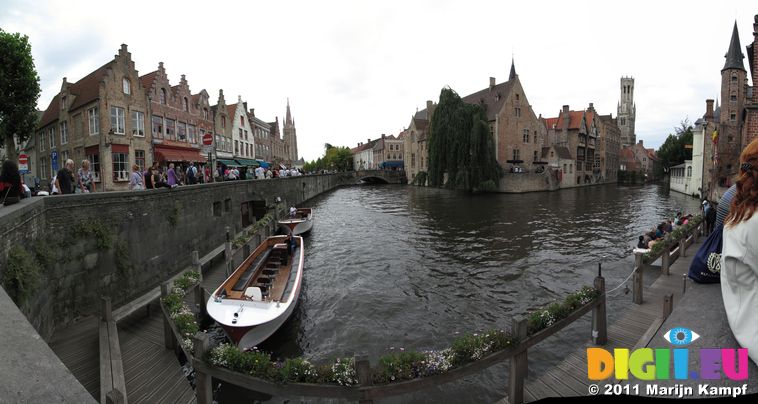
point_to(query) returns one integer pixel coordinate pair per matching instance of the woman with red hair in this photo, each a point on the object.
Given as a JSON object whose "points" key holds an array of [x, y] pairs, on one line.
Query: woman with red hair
{"points": [[739, 257]]}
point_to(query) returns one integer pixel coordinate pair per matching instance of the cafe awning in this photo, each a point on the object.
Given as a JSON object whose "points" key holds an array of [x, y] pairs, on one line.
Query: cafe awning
{"points": [[228, 163], [262, 163], [247, 163], [163, 153]]}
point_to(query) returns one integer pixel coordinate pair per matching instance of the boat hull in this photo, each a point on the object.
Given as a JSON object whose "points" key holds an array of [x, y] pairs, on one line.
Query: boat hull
{"points": [[299, 225], [248, 322]]}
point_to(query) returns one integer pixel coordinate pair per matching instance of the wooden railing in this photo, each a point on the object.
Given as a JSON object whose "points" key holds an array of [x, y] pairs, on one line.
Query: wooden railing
{"points": [[667, 256], [365, 391], [112, 382]]}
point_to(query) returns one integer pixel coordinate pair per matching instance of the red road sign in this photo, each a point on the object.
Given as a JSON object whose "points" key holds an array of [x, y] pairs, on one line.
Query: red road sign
{"points": [[23, 159], [207, 139]]}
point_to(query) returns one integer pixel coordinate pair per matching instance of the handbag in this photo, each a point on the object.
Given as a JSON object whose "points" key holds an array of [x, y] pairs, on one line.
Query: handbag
{"points": [[706, 265]]}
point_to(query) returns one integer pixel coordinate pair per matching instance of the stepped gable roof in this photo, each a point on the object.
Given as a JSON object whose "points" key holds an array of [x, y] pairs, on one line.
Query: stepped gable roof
{"points": [[734, 55], [84, 91], [491, 98]]}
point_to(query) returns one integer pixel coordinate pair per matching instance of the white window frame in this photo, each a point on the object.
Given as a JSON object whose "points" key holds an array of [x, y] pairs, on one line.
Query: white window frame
{"points": [[138, 123], [121, 168], [52, 137], [127, 86], [118, 120], [64, 132], [94, 121]]}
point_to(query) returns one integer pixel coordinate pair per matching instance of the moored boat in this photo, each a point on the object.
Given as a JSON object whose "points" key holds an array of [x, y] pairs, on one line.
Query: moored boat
{"points": [[261, 293], [301, 223]]}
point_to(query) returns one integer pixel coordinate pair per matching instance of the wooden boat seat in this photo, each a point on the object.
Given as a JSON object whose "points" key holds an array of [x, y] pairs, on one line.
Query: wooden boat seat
{"points": [[244, 279], [270, 272], [254, 293]]}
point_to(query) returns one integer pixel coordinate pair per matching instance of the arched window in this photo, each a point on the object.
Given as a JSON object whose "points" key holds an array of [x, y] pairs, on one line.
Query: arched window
{"points": [[186, 104], [223, 122], [689, 171], [127, 86], [163, 96]]}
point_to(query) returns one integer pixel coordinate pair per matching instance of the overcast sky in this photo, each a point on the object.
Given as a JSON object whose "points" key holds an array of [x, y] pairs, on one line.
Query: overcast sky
{"points": [[354, 69]]}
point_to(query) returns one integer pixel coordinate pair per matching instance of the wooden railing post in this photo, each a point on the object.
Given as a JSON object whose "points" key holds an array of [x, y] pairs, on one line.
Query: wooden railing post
{"points": [[637, 286], [114, 397], [682, 246], [228, 252], [599, 320], [203, 381], [106, 313], [519, 363], [200, 301], [684, 284], [665, 260], [196, 264], [168, 334], [363, 373], [668, 305]]}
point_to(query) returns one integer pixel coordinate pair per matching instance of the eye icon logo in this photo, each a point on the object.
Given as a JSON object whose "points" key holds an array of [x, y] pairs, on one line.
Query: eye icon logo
{"points": [[680, 336]]}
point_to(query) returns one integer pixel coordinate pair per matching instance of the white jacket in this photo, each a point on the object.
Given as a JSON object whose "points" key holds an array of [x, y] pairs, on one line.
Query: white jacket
{"points": [[739, 282]]}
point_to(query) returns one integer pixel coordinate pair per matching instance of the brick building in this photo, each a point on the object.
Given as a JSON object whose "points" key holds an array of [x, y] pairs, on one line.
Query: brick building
{"points": [[609, 147], [101, 118], [518, 132], [415, 152], [750, 129], [577, 131], [178, 119], [223, 132]]}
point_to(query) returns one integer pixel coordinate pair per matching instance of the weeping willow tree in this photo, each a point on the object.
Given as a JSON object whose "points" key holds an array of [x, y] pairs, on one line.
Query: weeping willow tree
{"points": [[460, 146]]}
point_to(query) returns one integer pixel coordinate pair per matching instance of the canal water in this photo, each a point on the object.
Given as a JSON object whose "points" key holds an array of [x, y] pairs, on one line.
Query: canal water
{"points": [[400, 267]]}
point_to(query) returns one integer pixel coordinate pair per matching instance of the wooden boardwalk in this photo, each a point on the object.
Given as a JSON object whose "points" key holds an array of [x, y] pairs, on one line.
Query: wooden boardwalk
{"points": [[153, 373], [632, 329]]}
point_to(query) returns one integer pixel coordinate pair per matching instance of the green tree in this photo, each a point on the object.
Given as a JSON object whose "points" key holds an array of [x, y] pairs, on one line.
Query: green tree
{"points": [[460, 146], [19, 91], [674, 151], [335, 158]]}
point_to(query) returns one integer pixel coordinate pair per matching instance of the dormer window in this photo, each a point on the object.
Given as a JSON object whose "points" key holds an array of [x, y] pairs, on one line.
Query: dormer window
{"points": [[127, 86]]}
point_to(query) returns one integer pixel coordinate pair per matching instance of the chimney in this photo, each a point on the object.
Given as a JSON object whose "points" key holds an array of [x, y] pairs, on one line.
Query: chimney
{"points": [[640, 143], [382, 136], [566, 108], [368, 141], [252, 112], [429, 104], [591, 106], [709, 110], [492, 83]]}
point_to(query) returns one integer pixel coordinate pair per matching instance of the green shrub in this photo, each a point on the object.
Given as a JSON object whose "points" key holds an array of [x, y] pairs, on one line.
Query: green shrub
{"points": [[399, 366], [102, 232], [21, 276], [173, 302], [297, 370]]}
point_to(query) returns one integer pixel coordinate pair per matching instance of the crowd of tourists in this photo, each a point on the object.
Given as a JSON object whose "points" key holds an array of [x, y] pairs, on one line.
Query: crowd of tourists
{"points": [[71, 180], [657, 233]]}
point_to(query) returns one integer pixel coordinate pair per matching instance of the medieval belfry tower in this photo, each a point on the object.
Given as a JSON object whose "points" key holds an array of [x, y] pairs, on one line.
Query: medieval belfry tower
{"points": [[627, 112], [290, 136]]}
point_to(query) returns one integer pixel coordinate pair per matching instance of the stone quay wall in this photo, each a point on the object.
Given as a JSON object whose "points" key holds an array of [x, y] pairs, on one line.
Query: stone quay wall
{"points": [[122, 244]]}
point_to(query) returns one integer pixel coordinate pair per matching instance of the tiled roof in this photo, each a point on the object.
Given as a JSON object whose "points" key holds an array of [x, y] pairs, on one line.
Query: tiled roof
{"points": [[562, 151], [492, 99], [231, 110], [626, 154], [51, 113], [421, 114], [148, 80], [421, 124], [88, 88], [551, 123]]}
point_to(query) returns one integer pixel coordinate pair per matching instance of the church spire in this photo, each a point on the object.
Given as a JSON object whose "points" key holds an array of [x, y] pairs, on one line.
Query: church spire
{"points": [[734, 55], [513, 70], [288, 118]]}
